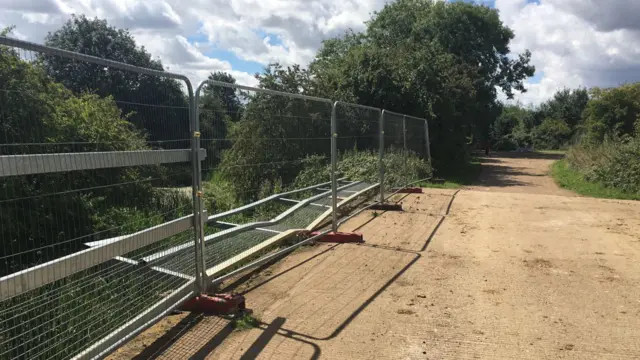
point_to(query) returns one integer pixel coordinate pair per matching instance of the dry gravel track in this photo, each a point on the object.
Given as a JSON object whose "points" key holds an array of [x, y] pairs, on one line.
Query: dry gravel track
{"points": [[513, 268]]}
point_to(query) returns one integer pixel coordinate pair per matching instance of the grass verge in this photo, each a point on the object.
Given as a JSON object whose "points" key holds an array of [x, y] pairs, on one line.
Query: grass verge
{"points": [[457, 177], [554, 152], [573, 180]]}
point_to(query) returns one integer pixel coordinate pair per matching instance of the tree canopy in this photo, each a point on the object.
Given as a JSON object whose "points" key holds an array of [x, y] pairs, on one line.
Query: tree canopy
{"points": [[439, 60], [136, 94]]}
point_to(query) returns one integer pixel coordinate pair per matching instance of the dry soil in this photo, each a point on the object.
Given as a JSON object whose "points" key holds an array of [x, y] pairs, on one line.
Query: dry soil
{"points": [[512, 268]]}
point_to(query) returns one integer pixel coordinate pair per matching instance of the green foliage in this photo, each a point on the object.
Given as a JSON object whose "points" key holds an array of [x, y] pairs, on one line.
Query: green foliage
{"points": [[245, 321], [135, 93], [573, 179], [365, 166], [552, 125], [438, 60], [219, 107], [612, 112], [566, 105], [614, 163], [607, 155], [36, 110], [275, 133], [551, 134], [512, 129]]}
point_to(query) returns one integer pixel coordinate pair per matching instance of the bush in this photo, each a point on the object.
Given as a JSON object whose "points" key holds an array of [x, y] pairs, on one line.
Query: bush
{"points": [[614, 163], [365, 166], [551, 134], [57, 213]]}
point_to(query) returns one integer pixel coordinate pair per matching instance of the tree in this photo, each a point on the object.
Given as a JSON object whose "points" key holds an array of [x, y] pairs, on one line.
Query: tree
{"points": [[155, 104], [219, 107], [613, 112], [431, 59], [551, 134], [276, 133], [566, 105], [38, 111]]}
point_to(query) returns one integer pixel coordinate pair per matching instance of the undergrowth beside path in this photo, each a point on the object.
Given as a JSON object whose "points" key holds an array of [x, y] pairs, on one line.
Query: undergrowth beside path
{"points": [[573, 180]]}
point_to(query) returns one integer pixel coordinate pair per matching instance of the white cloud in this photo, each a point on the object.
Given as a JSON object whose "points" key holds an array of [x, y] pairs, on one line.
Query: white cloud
{"points": [[570, 46], [574, 42]]}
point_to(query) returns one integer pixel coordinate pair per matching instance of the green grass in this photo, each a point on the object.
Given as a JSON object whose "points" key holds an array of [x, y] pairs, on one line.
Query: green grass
{"points": [[571, 179], [245, 322], [559, 152], [457, 177]]}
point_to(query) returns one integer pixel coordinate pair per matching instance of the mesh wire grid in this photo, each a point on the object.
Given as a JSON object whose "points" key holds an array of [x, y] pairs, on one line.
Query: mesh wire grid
{"points": [[416, 154], [258, 144], [261, 144], [50, 105], [393, 157]]}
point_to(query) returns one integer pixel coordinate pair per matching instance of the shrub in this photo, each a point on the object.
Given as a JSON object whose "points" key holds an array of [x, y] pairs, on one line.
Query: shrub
{"points": [[365, 166], [614, 163]]}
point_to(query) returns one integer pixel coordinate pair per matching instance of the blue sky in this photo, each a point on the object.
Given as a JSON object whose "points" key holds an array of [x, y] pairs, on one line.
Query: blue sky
{"points": [[575, 43], [251, 67]]}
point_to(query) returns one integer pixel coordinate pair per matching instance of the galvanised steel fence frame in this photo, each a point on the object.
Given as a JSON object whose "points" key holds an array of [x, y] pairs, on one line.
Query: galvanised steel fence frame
{"points": [[75, 274], [238, 248], [102, 251]]}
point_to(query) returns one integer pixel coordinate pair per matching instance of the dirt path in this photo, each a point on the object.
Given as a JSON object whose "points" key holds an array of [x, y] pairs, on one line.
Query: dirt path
{"points": [[508, 269], [519, 173]]}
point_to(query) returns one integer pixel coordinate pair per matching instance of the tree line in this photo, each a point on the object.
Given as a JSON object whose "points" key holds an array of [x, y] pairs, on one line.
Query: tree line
{"points": [[599, 128], [430, 59], [437, 60]]}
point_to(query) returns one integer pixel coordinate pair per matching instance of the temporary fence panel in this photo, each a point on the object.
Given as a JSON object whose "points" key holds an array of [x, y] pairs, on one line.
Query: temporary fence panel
{"points": [[261, 143], [106, 170], [393, 153], [416, 161], [96, 172], [358, 131]]}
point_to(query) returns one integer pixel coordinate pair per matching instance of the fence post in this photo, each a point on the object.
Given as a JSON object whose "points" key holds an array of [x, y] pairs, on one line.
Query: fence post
{"points": [[404, 147], [382, 157], [334, 160], [426, 136], [201, 271]]}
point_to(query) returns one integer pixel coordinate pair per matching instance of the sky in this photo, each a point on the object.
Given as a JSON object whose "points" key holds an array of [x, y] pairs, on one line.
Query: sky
{"points": [[575, 43]]}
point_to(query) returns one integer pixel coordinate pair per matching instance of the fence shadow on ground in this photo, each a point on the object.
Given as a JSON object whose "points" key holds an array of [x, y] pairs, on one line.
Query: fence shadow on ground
{"points": [[373, 268]]}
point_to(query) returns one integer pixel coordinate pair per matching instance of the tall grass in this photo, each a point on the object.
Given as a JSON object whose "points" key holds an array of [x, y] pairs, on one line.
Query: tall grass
{"points": [[610, 169], [614, 163]]}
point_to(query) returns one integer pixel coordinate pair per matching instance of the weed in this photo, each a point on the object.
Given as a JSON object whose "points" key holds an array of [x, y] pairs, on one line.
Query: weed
{"points": [[375, 214], [405, 312], [246, 321]]}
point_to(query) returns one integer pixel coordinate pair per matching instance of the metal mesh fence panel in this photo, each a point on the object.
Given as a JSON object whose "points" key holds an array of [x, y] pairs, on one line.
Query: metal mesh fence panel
{"points": [[416, 150], [94, 176], [358, 134], [261, 143], [393, 153]]}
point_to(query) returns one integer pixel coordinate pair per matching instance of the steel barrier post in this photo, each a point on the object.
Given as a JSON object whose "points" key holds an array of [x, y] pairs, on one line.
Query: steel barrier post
{"points": [[426, 136], [381, 165], [201, 270], [404, 147], [334, 160]]}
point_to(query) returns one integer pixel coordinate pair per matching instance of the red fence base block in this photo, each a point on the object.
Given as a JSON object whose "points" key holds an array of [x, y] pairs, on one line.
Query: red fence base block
{"points": [[410, 190], [222, 304], [340, 237], [386, 207]]}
